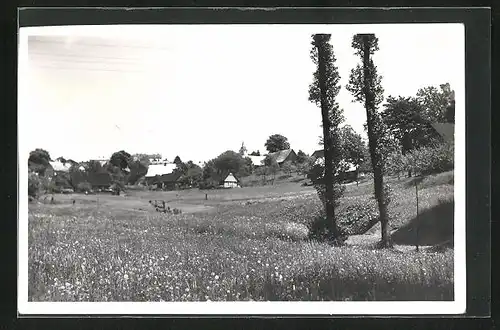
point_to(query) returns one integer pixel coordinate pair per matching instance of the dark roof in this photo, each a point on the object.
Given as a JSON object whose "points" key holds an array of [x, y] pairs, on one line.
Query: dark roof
{"points": [[95, 179], [282, 155], [170, 177], [319, 153], [445, 130]]}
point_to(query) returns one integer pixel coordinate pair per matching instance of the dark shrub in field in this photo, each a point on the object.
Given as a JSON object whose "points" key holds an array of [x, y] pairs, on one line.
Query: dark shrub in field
{"points": [[84, 186]]}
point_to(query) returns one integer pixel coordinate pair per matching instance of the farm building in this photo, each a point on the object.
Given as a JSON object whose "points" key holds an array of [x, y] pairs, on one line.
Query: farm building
{"points": [[169, 181], [58, 166], [231, 181], [283, 156], [445, 130], [160, 168]]}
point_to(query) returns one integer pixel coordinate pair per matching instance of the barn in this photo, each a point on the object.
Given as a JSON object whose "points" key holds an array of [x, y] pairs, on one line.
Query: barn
{"points": [[169, 181], [283, 156]]}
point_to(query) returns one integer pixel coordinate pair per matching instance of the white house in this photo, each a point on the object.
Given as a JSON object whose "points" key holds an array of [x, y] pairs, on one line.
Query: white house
{"points": [[58, 166], [231, 182], [160, 168]]}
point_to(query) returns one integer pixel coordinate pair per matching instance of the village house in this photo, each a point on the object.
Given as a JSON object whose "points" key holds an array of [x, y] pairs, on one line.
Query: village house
{"points": [[161, 175], [231, 181]]}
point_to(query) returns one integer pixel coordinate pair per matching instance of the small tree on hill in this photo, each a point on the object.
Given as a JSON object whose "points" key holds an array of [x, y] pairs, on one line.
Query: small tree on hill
{"points": [[277, 142], [39, 161]]}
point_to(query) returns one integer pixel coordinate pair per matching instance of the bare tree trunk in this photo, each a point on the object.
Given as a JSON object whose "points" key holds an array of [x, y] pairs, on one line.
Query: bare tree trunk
{"points": [[327, 145], [374, 148]]}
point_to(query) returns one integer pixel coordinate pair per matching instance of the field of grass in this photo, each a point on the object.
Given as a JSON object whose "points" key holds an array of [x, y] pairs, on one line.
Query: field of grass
{"points": [[238, 244]]}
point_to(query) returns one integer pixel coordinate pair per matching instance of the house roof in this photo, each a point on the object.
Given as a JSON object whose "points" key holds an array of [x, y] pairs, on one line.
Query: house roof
{"points": [[257, 160], [231, 178], [60, 167], [318, 153], [170, 177], [349, 166], [281, 155], [446, 130], [160, 169]]}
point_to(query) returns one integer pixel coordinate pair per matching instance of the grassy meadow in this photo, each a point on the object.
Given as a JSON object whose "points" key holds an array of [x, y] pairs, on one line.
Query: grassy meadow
{"points": [[238, 244]]}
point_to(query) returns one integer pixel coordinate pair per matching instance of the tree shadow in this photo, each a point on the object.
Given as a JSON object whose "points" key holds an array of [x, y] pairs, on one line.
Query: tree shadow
{"points": [[414, 181], [433, 226]]}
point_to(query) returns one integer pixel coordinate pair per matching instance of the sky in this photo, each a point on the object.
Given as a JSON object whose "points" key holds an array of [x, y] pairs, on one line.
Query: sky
{"points": [[199, 90]]}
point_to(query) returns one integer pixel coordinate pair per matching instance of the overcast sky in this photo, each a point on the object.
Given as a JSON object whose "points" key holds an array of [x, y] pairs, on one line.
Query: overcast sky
{"points": [[196, 91]]}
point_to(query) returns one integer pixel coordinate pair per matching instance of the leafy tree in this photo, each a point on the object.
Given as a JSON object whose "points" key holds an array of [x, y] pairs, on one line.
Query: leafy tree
{"points": [[120, 159], [305, 167], [228, 161], [365, 86], [450, 110], [277, 142], [177, 160], [301, 157], [353, 147], [407, 123], [39, 161], [192, 174], [436, 101], [138, 168], [288, 167], [255, 153], [323, 92], [94, 166], [271, 166]]}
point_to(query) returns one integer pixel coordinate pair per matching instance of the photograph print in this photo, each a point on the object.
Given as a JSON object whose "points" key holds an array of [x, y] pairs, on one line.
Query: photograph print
{"points": [[262, 168]]}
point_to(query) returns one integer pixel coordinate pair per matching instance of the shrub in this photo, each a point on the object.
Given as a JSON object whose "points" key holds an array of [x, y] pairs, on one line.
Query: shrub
{"points": [[431, 160], [84, 186], [34, 185]]}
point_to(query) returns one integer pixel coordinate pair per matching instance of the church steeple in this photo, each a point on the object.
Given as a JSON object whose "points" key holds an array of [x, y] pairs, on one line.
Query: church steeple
{"points": [[243, 149]]}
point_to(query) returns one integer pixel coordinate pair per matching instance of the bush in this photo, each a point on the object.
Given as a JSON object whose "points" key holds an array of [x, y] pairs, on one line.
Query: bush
{"points": [[431, 160], [34, 185], [84, 186]]}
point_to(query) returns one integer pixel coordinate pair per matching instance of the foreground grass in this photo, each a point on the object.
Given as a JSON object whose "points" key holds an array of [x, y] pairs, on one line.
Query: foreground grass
{"points": [[250, 250]]}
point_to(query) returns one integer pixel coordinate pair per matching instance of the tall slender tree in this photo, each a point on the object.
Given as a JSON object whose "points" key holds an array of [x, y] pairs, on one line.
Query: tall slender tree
{"points": [[323, 92], [365, 86]]}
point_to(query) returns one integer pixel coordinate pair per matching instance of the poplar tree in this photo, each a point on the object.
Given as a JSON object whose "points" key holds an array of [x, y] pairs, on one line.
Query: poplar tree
{"points": [[365, 86], [323, 92]]}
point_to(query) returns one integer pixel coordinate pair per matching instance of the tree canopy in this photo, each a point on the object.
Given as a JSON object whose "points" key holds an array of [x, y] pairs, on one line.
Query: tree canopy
{"points": [[277, 142], [438, 103]]}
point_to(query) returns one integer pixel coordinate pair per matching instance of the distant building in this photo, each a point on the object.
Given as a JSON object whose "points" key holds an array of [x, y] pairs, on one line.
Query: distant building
{"points": [[283, 156], [160, 168], [169, 181], [318, 154], [231, 181], [445, 130]]}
